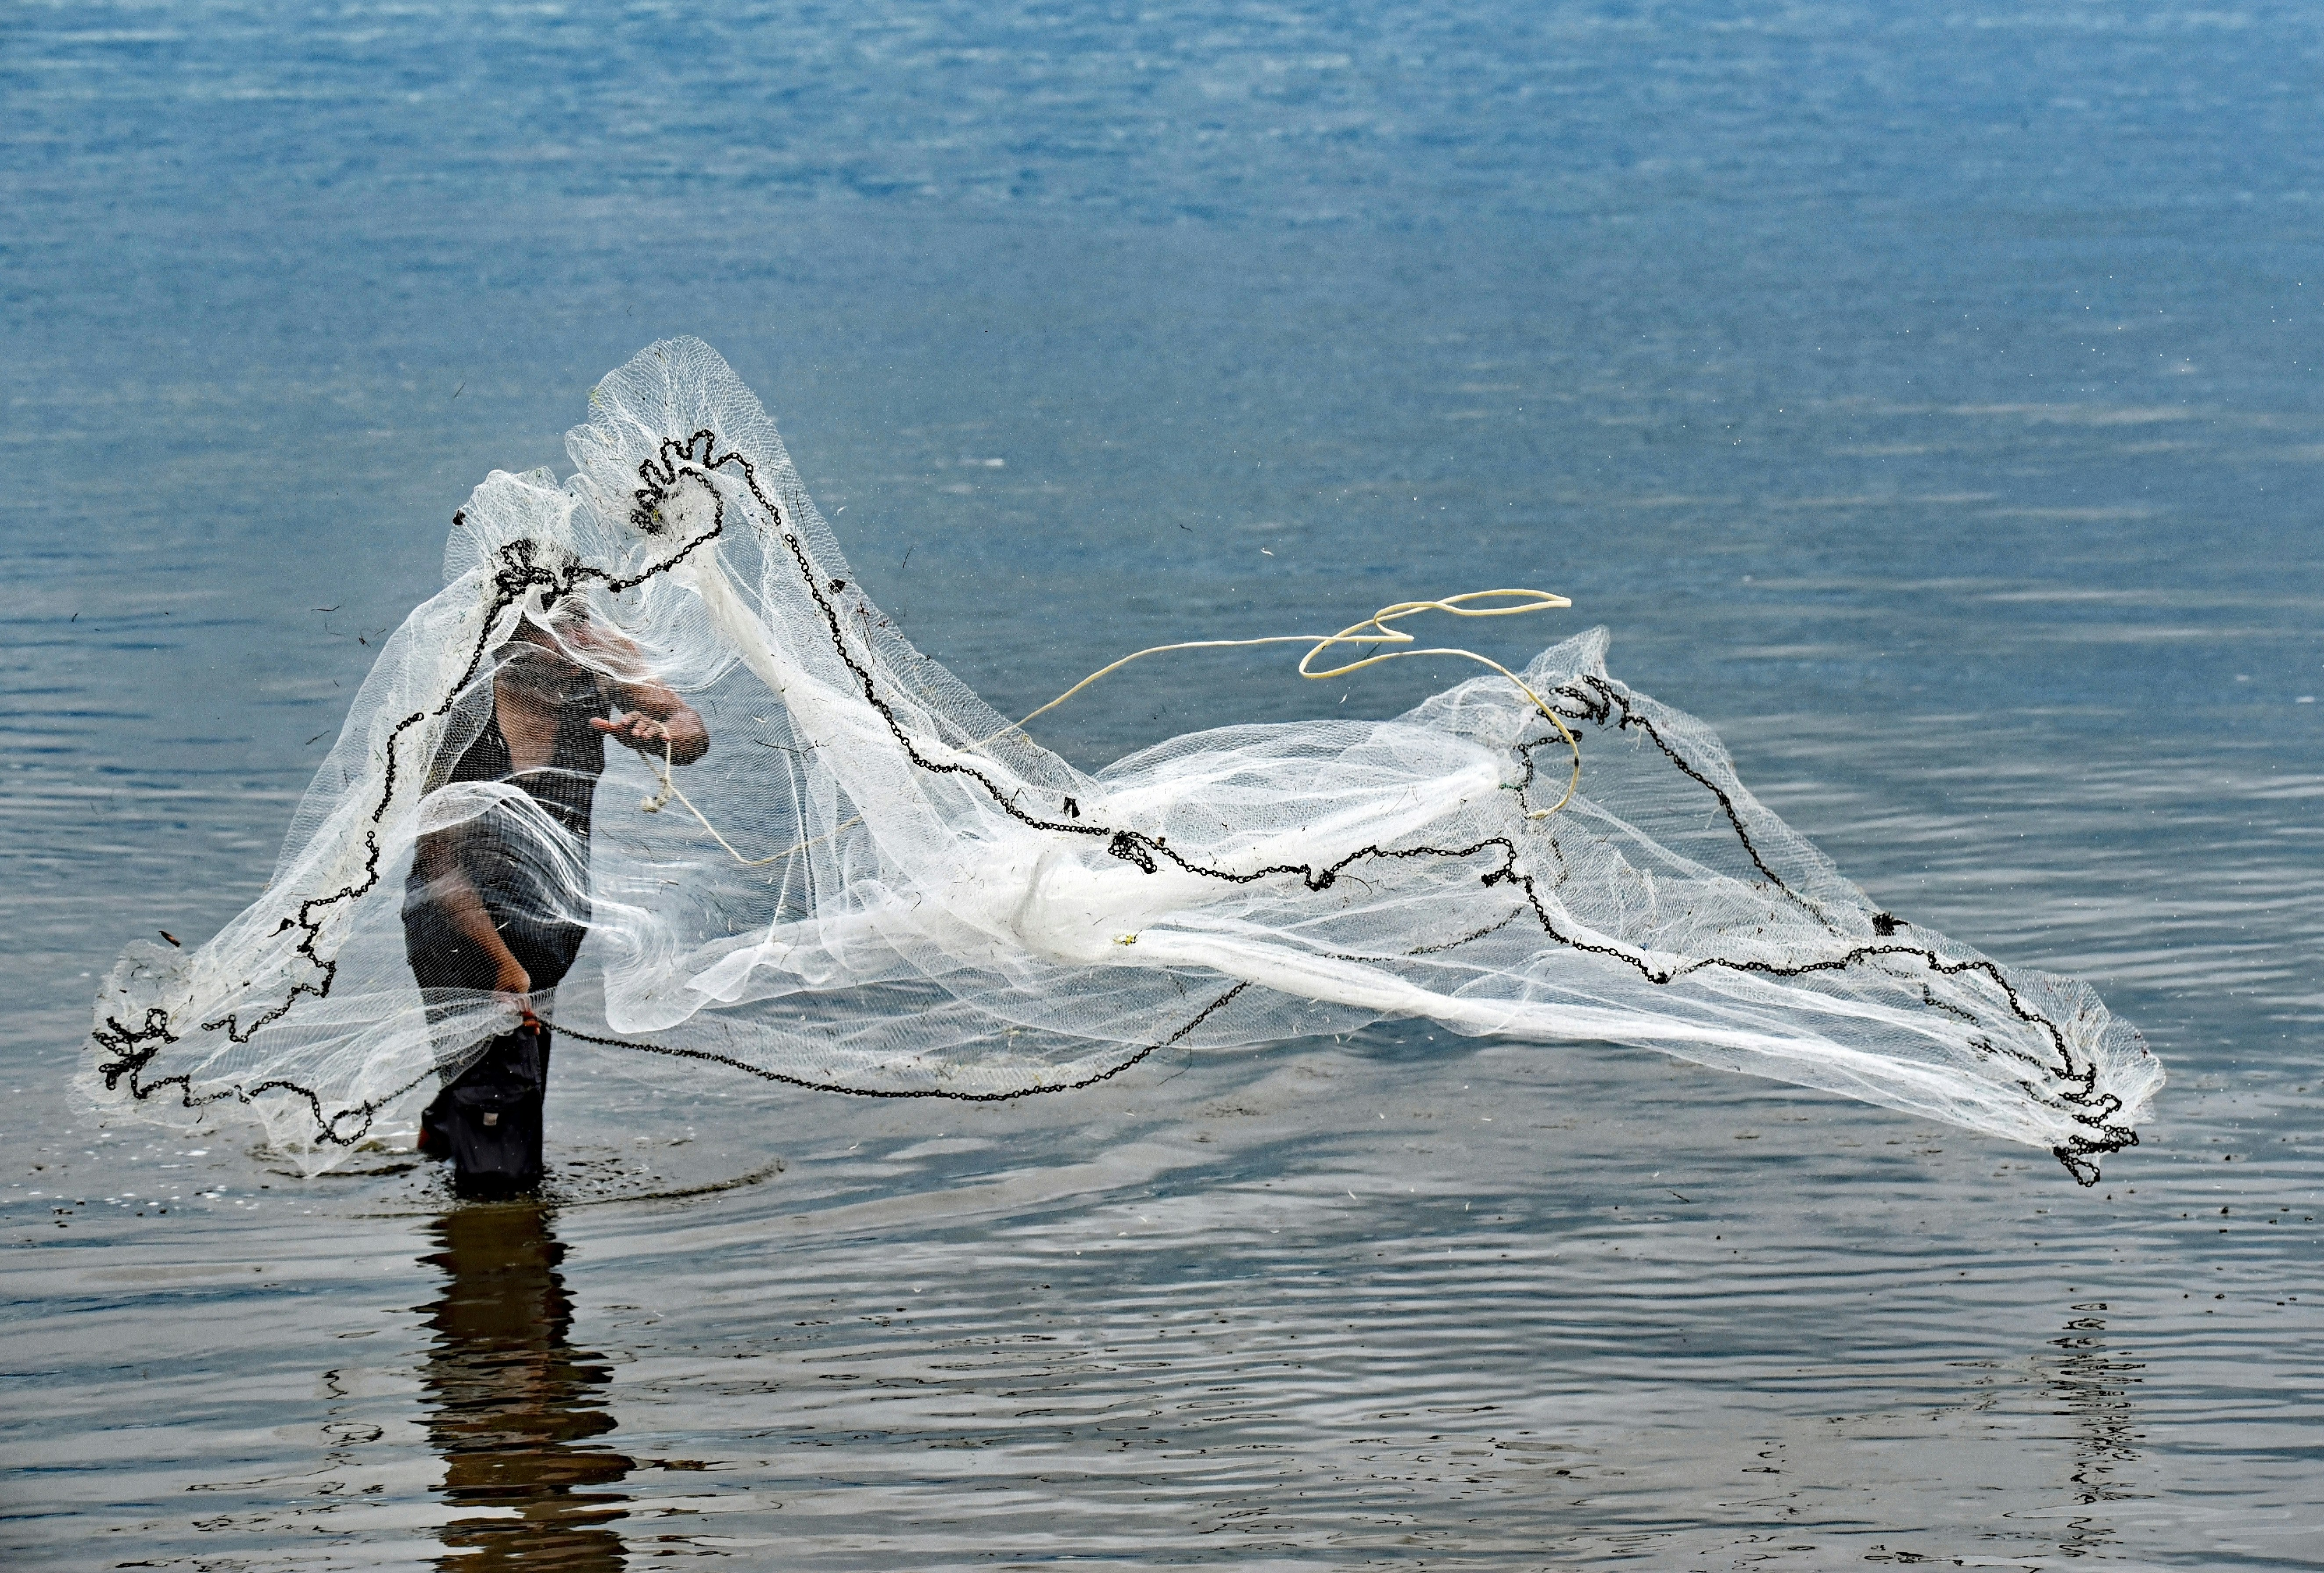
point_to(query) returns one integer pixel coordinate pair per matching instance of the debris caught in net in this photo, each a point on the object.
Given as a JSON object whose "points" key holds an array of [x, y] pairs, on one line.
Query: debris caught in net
{"points": [[876, 884]]}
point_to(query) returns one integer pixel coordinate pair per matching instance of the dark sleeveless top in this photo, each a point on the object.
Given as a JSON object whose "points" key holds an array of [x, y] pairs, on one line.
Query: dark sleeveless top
{"points": [[536, 898]]}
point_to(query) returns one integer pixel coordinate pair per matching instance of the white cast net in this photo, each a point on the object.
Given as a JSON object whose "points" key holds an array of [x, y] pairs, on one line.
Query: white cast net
{"points": [[905, 897]]}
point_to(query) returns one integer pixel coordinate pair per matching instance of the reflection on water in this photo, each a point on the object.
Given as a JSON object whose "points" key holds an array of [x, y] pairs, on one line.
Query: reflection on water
{"points": [[512, 1406], [2090, 1386]]}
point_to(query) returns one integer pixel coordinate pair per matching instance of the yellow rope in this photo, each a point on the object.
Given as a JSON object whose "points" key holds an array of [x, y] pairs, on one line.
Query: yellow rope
{"points": [[1382, 631]]}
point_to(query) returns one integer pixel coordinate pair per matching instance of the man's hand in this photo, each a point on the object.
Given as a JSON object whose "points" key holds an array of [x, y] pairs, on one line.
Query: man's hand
{"points": [[678, 733], [638, 729], [510, 978]]}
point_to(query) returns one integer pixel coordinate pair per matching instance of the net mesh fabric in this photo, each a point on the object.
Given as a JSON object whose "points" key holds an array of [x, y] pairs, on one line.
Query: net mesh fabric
{"points": [[915, 900]]}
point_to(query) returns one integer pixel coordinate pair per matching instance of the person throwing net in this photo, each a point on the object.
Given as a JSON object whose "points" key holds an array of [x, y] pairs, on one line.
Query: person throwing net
{"points": [[878, 885], [499, 902]]}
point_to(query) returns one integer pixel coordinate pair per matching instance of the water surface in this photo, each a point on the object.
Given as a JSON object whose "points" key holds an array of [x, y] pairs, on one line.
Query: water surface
{"points": [[1926, 395]]}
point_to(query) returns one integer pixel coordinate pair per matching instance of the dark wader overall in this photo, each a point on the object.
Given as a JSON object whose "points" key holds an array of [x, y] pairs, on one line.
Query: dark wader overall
{"points": [[487, 1121]]}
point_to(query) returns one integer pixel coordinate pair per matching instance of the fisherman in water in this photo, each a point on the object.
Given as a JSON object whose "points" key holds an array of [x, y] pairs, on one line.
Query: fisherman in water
{"points": [[499, 902]]}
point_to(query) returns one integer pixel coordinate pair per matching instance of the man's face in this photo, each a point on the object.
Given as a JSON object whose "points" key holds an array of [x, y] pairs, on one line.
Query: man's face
{"points": [[546, 649]]}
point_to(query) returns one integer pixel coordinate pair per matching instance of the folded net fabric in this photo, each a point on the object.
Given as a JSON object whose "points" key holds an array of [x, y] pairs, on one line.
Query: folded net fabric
{"points": [[905, 897]]}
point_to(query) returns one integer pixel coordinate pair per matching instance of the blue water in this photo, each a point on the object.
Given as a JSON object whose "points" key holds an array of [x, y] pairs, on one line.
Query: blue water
{"points": [[1929, 396]]}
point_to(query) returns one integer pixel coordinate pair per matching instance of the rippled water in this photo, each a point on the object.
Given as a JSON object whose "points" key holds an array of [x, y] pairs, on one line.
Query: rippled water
{"points": [[1926, 395]]}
